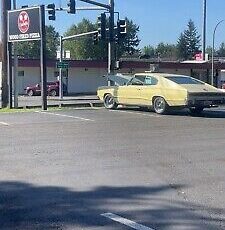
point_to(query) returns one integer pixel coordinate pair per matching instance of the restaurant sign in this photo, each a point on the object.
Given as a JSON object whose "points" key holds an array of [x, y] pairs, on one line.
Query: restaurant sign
{"points": [[24, 24]]}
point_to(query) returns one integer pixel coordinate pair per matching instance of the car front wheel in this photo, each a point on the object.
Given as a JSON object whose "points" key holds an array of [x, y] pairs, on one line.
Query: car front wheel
{"points": [[159, 105], [109, 102]]}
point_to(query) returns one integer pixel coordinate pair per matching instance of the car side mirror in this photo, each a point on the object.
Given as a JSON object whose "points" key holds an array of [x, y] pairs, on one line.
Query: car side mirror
{"points": [[38, 85]]}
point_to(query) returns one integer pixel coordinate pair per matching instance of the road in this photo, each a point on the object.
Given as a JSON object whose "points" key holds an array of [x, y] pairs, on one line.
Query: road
{"points": [[95, 169]]}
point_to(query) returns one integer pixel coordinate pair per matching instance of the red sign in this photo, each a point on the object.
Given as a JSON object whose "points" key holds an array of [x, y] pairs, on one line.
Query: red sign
{"points": [[198, 57], [23, 22]]}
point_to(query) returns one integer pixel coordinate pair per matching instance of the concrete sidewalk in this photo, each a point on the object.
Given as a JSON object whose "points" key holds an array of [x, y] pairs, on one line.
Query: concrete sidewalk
{"points": [[72, 101]]}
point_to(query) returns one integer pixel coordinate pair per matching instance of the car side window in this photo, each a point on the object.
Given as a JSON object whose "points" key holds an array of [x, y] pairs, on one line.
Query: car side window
{"points": [[140, 78], [136, 81], [149, 80]]}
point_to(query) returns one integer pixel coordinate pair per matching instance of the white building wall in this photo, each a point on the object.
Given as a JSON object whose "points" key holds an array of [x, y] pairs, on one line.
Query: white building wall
{"points": [[85, 80], [80, 80], [30, 76]]}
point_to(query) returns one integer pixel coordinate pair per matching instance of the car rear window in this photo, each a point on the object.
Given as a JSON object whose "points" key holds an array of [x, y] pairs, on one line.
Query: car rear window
{"points": [[182, 80]]}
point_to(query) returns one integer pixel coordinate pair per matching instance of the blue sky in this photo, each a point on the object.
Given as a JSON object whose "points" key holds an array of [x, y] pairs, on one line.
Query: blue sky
{"points": [[159, 20]]}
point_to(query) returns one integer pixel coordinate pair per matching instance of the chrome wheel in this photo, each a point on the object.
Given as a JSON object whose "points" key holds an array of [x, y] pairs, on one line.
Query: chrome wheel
{"points": [[109, 102], [159, 105]]}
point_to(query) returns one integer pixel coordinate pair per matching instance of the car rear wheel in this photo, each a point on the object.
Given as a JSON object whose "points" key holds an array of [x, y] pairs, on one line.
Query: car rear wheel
{"points": [[109, 102], [30, 93], [53, 93], [159, 105], [196, 110]]}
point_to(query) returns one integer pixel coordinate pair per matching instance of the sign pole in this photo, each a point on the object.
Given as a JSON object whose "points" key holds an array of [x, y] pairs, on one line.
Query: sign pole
{"points": [[5, 5], [9, 61], [43, 59], [28, 24], [60, 69]]}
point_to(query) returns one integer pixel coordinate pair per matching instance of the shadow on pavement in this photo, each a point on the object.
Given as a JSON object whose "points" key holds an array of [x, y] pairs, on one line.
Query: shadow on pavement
{"points": [[207, 113], [25, 206]]}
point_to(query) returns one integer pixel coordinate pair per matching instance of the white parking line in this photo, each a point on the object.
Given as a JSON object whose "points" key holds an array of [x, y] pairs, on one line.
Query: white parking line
{"points": [[64, 115], [125, 221], [4, 123], [142, 114]]}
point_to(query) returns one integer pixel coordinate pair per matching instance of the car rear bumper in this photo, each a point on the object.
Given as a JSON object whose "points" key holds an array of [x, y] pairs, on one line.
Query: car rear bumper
{"points": [[205, 99]]}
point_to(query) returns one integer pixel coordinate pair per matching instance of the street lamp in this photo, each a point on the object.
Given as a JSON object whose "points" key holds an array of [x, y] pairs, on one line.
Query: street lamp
{"points": [[213, 44]]}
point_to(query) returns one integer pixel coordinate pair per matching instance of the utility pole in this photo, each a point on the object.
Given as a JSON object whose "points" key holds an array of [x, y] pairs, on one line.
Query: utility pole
{"points": [[6, 5], [204, 30], [15, 65], [111, 45]]}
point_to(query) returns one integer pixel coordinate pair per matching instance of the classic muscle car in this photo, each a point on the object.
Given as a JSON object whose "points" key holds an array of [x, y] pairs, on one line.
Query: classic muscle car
{"points": [[162, 92]]}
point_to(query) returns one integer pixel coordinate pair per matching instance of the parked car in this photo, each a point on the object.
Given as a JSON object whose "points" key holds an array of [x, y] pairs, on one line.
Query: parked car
{"points": [[52, 89], [162, 91]]}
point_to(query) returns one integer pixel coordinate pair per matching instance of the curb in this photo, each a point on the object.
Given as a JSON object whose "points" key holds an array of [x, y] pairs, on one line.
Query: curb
{"points": [[63, 105]]}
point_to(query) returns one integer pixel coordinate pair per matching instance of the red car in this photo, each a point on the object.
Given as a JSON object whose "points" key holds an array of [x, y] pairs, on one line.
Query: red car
{"points": [[52, 89]]}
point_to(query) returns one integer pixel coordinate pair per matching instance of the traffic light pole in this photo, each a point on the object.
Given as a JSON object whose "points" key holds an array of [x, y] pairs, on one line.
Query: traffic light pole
{"points": [[111, 45], [15, 67], [43, 60]]}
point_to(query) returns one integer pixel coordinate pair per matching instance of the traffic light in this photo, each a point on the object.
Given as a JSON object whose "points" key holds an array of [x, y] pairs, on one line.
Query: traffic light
{"points": [[51, 11], [71, 6], [121, 28], [102, 27], [95, 38]]}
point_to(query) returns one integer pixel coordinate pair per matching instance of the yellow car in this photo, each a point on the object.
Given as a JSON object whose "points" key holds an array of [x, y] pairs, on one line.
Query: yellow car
{"points": [[162, 91]]}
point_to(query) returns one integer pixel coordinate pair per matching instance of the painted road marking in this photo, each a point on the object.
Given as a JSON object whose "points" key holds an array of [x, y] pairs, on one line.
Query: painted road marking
{"points": [[125, 221], [64, 115], [4, 123], [142, 114]]}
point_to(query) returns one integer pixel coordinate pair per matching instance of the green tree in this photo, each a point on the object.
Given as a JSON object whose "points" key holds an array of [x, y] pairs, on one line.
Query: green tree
{"points": [[52, 41], [221, 50], [188, 42], [31, 49], [148, 52], [209, 50], [182, 47], [83, 48], [166, 51], [128, 45]]}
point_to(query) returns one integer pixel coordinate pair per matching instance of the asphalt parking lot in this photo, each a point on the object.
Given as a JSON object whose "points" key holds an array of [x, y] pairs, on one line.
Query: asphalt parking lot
{"points": [[92, 168]]}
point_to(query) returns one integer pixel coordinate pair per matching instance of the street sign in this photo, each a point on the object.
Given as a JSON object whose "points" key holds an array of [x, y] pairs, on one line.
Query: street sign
{"points": [[62, 65], [24, 24]]}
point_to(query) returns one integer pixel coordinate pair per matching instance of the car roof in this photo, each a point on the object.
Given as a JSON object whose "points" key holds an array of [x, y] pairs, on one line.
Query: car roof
{"points": [[156, 74]]}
